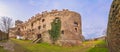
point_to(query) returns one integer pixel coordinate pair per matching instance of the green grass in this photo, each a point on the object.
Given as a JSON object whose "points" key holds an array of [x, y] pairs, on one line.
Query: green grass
{"points": [[2, 50], [96, 49], [45, 47], [100, 46], [3, 41]]}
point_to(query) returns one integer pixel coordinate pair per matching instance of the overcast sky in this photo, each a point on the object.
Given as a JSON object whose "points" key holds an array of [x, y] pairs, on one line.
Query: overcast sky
{"points": [[94, 12]]}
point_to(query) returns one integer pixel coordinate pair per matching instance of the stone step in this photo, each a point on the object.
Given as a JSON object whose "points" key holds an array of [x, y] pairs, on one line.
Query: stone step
{"points": [[37, 40]]}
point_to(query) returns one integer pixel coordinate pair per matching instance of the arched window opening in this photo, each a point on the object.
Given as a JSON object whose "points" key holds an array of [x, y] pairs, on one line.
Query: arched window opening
{"points": [[18, 29], [76, 29], [43, 20]]}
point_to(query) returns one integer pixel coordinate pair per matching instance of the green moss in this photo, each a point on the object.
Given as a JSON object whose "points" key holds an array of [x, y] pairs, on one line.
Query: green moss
{"points": [[55, 30]]}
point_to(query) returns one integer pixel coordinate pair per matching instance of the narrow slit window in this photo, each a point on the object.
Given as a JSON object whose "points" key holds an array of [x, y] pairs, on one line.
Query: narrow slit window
{"points": [[39, 27], [32, 24]]}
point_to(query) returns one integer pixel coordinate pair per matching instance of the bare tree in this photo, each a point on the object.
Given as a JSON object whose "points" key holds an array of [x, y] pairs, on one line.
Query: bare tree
{"points": [[6, 24]]}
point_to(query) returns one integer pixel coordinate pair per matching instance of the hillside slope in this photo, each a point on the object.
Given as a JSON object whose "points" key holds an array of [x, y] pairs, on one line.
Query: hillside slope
{"points": [[89, 46]]}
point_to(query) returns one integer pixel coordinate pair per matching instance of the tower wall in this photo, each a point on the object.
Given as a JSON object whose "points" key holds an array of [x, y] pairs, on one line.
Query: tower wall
{"points": [[71, 32], [113, 30]]}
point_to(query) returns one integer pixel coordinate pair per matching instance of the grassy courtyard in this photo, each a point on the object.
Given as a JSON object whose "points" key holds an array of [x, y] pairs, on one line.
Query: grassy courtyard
{"points": [[90, 46], [1, 47], [2, 50]]}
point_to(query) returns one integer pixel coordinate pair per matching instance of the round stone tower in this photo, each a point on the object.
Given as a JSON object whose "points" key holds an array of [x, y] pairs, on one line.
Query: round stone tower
{"points": [[71, 30], [113, 30]]}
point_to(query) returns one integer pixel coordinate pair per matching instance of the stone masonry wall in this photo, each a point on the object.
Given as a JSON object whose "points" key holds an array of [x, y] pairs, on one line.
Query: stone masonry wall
{"points": [[71, 32], [113, 31]]}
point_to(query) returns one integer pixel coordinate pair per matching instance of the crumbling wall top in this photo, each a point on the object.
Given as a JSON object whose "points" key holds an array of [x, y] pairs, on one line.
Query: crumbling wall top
{"points": [[65, 10], [38, 15], [54, 10]]}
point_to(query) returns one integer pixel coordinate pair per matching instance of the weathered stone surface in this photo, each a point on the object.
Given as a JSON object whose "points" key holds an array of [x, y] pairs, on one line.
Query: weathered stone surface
{"points": [[71, 32], [113, 30]]}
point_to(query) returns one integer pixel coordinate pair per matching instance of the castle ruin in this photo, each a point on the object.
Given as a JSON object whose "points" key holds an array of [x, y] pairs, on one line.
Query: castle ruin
{"points": [[38, 26]]}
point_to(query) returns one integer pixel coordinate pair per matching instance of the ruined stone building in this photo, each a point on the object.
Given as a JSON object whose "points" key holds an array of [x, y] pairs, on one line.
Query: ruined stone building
{"points": [[40, 24], [113, 31]]}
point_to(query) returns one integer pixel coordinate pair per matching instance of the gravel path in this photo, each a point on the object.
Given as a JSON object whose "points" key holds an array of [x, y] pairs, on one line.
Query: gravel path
{"points": [[8, 45], [12, 47]]}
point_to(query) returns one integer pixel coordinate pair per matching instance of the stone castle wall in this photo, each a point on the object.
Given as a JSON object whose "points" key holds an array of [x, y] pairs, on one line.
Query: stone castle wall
{"points": [[71, 32], [113, 31]]}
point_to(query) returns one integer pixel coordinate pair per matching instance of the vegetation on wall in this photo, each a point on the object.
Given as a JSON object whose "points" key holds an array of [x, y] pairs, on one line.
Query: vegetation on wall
{"points": [[55, 29]]}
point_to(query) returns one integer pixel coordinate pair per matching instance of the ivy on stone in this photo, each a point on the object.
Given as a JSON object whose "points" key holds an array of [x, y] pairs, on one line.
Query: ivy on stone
{"points": [[55, 29]]}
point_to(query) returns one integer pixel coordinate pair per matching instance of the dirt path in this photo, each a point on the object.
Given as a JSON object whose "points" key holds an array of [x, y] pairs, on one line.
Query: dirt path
{"points": [[18, 48], [8, 45], [12, 47]]}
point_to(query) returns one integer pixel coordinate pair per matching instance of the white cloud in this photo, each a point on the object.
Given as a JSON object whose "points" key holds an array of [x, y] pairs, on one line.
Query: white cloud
{"points": [[3, 10]]}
